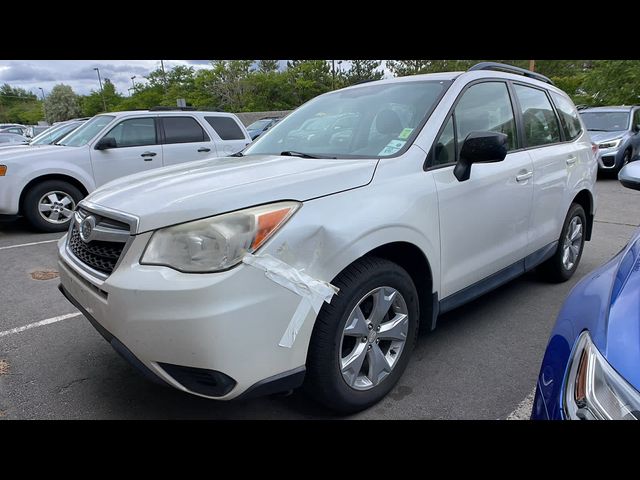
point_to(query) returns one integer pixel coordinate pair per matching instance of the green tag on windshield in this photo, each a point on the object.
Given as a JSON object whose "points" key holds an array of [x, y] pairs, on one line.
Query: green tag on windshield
{"points": [[405, 133]]}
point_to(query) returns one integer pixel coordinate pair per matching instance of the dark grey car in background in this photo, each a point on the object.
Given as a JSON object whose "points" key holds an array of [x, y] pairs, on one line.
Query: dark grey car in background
{"points": [[616, 132]]}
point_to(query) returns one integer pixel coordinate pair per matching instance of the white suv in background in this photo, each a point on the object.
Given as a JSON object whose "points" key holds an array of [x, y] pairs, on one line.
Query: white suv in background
{"points": [[315, 257], [45, 184]]}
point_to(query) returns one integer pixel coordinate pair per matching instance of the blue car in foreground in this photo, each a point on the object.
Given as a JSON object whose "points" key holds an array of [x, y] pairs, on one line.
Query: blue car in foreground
{"points": [[591, 368]]}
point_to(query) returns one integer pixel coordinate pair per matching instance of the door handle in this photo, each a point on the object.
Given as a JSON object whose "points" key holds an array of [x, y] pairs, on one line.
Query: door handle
{"points": [[571, 160], [149, 155], [524, 176], [204, 149]]}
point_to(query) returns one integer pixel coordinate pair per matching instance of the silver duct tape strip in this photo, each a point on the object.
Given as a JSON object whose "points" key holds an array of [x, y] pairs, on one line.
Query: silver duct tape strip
{"points": [[314, 292]]}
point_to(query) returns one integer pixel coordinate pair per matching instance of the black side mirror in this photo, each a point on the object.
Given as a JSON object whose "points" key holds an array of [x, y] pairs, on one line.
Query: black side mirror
{"points": [[105, 143], [629, 176], [480, 147], [636, 128]]}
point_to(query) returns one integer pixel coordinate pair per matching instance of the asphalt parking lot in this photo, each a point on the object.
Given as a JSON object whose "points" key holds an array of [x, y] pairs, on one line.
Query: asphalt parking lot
{"points": [[481, 362]]}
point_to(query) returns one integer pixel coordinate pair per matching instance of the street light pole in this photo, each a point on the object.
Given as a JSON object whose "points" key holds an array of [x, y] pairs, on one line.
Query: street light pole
{"points": [[104, 103], [44, 108], [133, 84]]}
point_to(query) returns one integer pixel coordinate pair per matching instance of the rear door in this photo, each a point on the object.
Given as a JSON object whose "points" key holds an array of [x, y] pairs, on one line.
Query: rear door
{"points": [[137, 150], [185, 140], [552, 158], [231, 136]]}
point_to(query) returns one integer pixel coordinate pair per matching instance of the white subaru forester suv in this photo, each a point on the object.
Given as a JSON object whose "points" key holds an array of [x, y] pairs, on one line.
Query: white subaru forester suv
{"points": [[314, 255]]}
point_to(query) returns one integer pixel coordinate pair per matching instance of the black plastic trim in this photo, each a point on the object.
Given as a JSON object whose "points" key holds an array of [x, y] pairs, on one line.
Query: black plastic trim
{"points": [[211, 383], [502, 67], [282, 382], [497, 279]]}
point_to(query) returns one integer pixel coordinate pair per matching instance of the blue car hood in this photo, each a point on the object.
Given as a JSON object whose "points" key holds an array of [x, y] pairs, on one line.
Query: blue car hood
{"points": [[621, 342], [599, 137]]}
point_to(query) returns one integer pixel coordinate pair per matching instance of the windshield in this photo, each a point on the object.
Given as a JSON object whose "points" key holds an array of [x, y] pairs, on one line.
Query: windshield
{"points": [[362, 122], [54, 133], [86, 132], [259, 125], [606, 121]]}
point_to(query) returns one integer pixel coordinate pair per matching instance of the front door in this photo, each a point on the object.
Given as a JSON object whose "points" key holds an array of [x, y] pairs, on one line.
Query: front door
{"points": [[484, 221], [136, 150]]}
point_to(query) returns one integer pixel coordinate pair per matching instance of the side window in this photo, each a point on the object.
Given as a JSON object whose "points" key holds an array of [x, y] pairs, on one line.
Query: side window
{"points": [[569, 118], [183, 130], [134, 132], [539, 120], [444, 149], [226, 128], [485, 107], [636, 120]]}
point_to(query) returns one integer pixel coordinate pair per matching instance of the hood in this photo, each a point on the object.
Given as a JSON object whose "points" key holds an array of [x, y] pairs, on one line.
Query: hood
{"points": [[622, 342], [27, 151], [599, 137], [193, 190]]}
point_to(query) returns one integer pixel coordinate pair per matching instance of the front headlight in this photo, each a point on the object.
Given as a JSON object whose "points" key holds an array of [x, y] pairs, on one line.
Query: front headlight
{"points": [[611, 143], [594, 390], [216, 243]]}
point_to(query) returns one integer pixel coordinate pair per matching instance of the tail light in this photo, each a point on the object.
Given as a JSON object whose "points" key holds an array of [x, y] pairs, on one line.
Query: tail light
{"points": [[594, 149]]}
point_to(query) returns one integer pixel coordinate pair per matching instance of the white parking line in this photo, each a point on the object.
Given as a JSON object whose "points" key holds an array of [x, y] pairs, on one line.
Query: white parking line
{"points": [[523, 410], [39, 324], [29, 244]]}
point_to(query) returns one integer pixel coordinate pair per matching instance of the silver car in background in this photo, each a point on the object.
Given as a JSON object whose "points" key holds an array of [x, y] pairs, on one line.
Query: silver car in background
{"points": [[616, 132]]}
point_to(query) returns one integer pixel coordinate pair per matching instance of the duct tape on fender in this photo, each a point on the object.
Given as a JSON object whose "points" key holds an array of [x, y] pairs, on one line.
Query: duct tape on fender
{"points": [[313, 292]]}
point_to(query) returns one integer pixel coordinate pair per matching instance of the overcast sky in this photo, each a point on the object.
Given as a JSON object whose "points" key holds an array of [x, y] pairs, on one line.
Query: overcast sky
{"points": [[80, 74]]}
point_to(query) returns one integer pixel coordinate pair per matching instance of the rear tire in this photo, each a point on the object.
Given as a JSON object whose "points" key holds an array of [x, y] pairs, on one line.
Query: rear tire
{"points": [[348, 390], [49, 206], [565, 261]]}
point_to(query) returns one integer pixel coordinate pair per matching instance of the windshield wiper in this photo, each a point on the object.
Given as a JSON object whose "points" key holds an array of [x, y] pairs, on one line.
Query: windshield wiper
{"points": [[291, 153]]}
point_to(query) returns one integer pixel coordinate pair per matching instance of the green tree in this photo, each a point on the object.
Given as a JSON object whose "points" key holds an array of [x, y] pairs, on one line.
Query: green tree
{"points": [[92, 104], [19, 105], [362, 70], [62, 104], [612, 82], [307, 79], [228, 84], [268, 66]]}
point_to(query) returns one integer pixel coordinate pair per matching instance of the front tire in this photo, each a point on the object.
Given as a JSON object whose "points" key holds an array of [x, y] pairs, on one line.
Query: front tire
{"points": [[49, 206], [564, 262], [362, 340]]}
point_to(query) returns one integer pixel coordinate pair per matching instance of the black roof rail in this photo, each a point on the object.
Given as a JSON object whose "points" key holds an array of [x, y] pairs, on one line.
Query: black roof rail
{"points": [[169, 109], [510, 69], [364, 81]]}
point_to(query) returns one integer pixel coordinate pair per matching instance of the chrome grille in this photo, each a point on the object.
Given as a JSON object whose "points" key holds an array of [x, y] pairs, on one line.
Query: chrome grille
{"points": [[101, 256], [105, 244]]}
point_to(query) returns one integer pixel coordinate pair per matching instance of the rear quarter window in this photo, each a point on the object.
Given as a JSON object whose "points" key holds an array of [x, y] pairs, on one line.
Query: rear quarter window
{"points": [[226, 128], [569, 118]]}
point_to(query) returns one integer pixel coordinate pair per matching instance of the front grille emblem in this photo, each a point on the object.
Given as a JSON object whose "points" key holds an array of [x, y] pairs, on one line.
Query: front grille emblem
{"points": [[86, 228]]}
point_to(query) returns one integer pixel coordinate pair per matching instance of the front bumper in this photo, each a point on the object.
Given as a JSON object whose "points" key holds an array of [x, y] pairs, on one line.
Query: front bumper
{"points": [[229, 322], [9, 196], [610, 158]]}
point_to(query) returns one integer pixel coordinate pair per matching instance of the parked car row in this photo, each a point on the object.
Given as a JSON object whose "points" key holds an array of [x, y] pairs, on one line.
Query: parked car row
{"points": [[228, 268], [18, 129]]}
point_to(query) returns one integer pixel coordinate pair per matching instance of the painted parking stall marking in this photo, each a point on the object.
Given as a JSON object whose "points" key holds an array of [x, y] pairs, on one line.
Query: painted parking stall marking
{"points": [[39, 324], [29, 244]]}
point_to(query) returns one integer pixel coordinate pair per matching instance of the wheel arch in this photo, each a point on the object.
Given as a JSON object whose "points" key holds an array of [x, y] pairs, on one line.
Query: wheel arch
{"points": [[412, 259], [51, 176], [584, 198]]}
